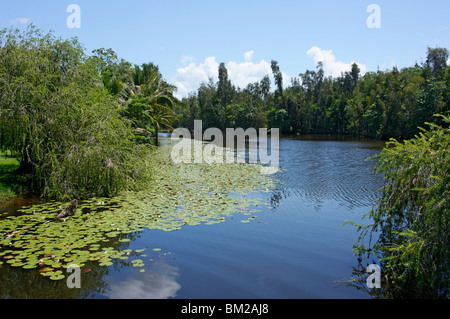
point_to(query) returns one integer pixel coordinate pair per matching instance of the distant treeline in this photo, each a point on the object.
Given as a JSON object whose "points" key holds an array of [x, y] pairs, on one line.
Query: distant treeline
{"points": [[379, 104]]}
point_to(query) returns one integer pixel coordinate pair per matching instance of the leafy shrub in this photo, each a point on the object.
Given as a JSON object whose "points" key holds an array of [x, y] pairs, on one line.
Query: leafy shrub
{"points": [[412, 216]]}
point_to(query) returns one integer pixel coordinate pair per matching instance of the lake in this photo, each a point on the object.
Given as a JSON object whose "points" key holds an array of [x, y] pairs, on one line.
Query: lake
{"points": [[294, 247]]}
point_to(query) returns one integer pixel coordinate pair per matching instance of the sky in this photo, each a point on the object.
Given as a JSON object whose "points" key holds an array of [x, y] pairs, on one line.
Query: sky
{"points": [[189, 39]]}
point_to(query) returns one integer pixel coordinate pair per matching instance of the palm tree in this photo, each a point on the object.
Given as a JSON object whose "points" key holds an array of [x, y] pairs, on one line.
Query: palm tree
{"points": [[142, 73], [162, 102], [154, 105]]}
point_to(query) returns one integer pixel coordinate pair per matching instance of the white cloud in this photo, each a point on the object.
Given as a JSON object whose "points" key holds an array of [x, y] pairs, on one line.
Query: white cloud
{"points": [[186, 59], [248, 55], [241, 74], [158, 282], [331, 66], [190, 76], [20, 21]]}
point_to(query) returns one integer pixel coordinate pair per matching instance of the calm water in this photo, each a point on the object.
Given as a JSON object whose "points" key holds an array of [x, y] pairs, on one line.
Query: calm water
{"points": [[297, 249]]}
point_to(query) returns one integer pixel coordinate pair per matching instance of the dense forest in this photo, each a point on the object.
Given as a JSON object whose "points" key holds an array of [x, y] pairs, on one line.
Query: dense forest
{"points": [[381, 104]]}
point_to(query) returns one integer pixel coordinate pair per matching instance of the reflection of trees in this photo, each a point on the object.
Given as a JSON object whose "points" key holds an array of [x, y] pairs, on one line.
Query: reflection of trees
{"points": [[286, 187], [275, 197], [20, 283]]}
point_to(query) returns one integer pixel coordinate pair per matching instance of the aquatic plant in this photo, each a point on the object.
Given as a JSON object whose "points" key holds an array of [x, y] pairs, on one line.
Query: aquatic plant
{"points": [[180, 195]]}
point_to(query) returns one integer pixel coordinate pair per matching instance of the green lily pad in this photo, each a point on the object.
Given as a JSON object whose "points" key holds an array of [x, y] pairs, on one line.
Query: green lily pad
{"points": [[107, 263], [185, 194], [57, 277], [29, 266]]}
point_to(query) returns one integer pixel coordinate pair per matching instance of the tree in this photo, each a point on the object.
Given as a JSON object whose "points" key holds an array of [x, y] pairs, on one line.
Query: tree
{"points": [[412, 217], [436, 62], [153, 107], [58, 119], [265, 86], [354, 75], [142, 73], [278, 79], [116, 74], [224, 86]]}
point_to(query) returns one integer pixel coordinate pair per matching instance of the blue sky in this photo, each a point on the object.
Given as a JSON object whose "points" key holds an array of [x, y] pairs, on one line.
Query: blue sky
{"points": [[188, 39]]}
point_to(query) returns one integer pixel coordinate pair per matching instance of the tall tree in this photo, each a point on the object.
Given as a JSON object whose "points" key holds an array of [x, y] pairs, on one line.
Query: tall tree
{"points": [[278, 80], [224, 86], [436, 62], [154, 106]]}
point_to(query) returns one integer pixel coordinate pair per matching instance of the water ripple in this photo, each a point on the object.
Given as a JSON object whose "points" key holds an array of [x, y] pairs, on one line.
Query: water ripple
{"points": [[318, 172]]}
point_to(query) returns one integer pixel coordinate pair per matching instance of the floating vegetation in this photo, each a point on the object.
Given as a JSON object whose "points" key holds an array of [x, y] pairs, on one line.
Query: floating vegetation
{"points": [[181, 194]]}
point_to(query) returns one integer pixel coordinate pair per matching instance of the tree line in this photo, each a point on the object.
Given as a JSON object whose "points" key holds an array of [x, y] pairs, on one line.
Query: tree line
{"points": [[379, 104]]}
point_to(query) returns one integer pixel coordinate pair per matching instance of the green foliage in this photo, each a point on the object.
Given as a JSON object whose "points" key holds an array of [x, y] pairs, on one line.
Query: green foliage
{"points": [[10, 183], [382, 104], [278, 119], [116, 74], [60, 121], [412, 217], [152, 108]]}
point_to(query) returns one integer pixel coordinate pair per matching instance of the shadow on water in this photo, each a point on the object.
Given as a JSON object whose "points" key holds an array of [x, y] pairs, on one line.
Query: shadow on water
{"points": [[13, 204], [121, 279]]}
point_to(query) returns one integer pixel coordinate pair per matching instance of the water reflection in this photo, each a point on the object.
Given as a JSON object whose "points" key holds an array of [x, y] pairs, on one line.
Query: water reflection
{"points": [[330, 170], [17, 283], [289, 254], [359, 281], [10, 206], [321, 168], [157, 282]]}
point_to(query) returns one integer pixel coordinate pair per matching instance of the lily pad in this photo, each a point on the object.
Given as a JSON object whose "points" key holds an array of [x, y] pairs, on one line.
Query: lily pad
{"points": [[30, 266], [181, 195], [106, 263], [57, 277]]}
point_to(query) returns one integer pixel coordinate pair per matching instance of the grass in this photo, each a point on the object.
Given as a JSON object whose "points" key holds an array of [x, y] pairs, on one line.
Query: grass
{"points": [[10, 183]]}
